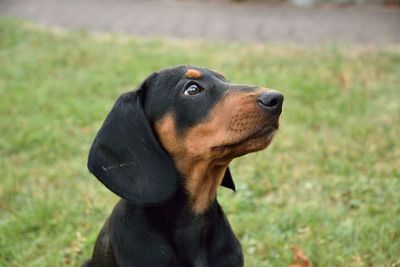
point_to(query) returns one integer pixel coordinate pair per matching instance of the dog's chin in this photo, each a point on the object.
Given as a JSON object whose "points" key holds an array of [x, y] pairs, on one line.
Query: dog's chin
{"points": [[257, 142], [254, 142]]}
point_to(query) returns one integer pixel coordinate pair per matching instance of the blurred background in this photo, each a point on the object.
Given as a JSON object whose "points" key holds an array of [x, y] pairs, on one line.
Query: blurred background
{"points": [[329, 183], [344, 21]]}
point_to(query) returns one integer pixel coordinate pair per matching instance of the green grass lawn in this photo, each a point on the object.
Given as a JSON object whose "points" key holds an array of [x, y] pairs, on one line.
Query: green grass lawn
{"points": [[329, 183]]}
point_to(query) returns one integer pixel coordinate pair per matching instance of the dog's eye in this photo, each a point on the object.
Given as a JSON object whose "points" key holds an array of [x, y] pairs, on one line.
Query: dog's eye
{"points": [[193, 89]]}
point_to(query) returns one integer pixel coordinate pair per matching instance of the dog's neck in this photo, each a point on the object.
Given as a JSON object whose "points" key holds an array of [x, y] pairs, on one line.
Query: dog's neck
{"points": [[201, 168], [179, 212], [201, 181]]}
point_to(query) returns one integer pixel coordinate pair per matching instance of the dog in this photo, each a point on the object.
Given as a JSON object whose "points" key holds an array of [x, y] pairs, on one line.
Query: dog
{"points": [[165, 149]]}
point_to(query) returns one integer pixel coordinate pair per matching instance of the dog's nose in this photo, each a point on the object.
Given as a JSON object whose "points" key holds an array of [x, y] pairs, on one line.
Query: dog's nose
{"points": [[271, 101]]}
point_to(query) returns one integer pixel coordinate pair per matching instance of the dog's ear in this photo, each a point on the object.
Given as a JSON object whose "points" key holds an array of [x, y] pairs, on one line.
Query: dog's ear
{"points": [[227, 181], [127, 158]]}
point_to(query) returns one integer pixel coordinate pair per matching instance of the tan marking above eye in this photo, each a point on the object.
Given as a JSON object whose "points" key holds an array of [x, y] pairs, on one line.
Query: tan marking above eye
{"points": [[193, 74]]}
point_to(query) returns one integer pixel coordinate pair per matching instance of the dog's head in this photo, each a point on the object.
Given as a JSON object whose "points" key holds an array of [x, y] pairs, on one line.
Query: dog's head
{"points": [[202, 122]]}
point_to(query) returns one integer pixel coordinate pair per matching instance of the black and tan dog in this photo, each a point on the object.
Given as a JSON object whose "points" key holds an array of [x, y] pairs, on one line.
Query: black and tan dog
{"points": [[165, 149]]}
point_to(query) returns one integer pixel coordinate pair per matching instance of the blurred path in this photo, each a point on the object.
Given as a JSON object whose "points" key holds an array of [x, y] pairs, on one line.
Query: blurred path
{"points": [[216, 20]]}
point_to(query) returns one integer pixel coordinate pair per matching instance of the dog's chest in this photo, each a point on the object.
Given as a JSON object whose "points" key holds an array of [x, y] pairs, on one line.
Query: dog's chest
{"points": [[190, 242]]}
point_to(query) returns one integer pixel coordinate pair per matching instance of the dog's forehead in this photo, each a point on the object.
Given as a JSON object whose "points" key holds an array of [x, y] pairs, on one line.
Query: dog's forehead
{"points": [[198, 72], [191, 72]]}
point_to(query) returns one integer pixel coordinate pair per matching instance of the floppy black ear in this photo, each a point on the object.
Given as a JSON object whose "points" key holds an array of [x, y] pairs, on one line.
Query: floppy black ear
{"points": [[227, 181], [127, 158]]}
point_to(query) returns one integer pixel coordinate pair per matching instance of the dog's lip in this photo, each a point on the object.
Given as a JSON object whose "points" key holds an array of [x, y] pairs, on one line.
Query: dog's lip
{"points": [[265, 131]]}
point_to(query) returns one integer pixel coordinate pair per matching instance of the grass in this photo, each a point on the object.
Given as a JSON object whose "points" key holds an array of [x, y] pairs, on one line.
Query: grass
{"points": [[329, 183]]}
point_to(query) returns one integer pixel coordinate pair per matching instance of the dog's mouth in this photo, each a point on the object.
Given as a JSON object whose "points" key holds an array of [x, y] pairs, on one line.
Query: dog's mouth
{"points": [[263, 135], [265, 132]]}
